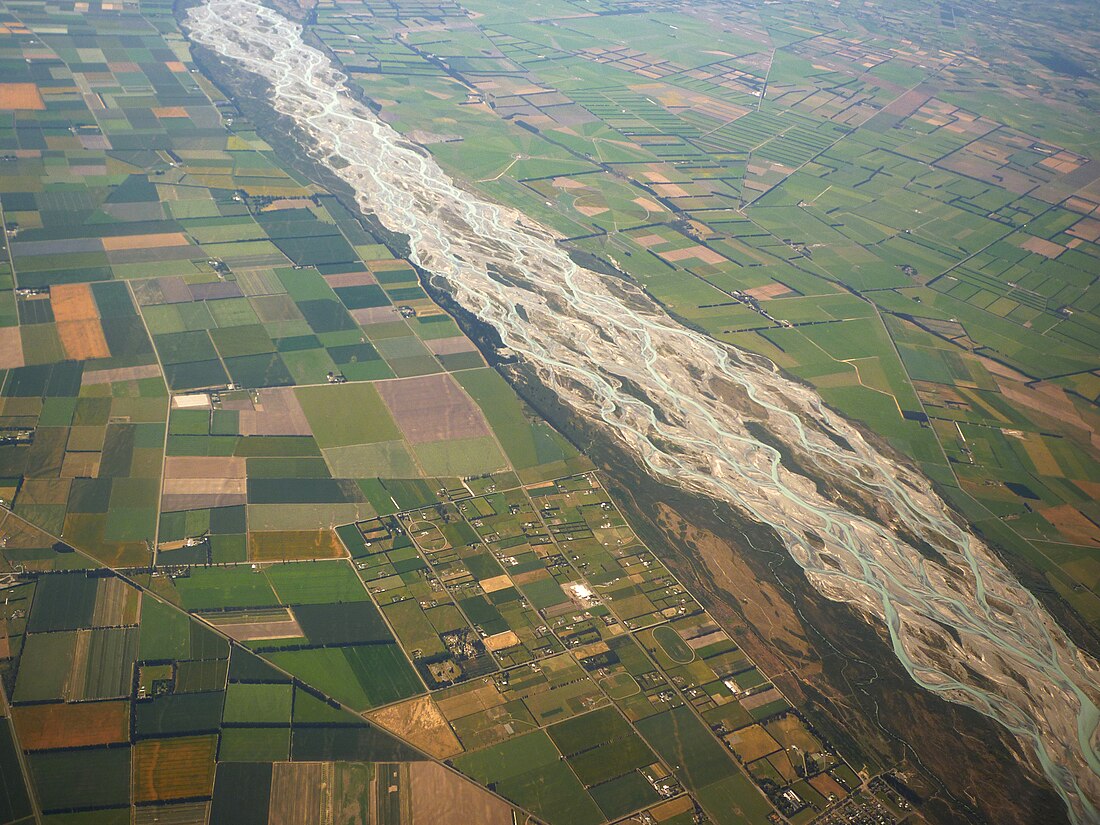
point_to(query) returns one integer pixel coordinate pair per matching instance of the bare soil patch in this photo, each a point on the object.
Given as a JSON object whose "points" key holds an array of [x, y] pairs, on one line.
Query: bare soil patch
{"points": [[420, 722], [296, 794], [204, 467], [440, 797], [11, 348], [277, 412], [351, 279], [432, 408], [294, 544], [23, 96], [180, 768], [73, 302], [83, 340], [152, 241], [502, 641], [71, 725], [450, 346]]}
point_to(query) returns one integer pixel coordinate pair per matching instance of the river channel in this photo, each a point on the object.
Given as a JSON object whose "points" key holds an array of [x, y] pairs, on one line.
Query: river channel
{"points": [[690, 410]]}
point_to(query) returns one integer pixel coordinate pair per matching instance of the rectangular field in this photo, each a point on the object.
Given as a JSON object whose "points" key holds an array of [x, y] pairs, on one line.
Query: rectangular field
{"points": [[180, 768], [64, 725]]}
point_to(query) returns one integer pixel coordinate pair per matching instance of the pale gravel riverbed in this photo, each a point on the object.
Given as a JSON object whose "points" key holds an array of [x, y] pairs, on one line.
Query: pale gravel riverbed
{"points": [[679, 402]]}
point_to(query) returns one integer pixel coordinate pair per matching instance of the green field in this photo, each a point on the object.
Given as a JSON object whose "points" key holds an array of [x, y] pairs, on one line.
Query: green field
{"points": [[347, 414]]}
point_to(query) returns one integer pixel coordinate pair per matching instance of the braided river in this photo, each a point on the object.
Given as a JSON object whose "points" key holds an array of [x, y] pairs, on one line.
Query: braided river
{"points": [[689, 409]]}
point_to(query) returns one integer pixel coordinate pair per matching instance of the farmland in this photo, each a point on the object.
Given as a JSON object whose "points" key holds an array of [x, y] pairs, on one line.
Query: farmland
{"points": [[578, 604], [528, 716], [197, 711], [279, 543], [211, 364], [848, 205]]}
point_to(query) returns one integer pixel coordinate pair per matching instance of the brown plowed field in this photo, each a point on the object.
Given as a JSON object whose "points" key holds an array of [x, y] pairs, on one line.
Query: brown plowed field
{"points": [[276, 413], [120, 374], [204, 486], [450, 346], [83, 340], [189, 466], [295, 794], [256, 631], [73, 302], [20, 96], [154, 241], [440, 797], [71, 725], [351, 279], [373, 315], [180, 768], [432, 408], [294, 544], [188, 813], [11, 348], [420, 722]]}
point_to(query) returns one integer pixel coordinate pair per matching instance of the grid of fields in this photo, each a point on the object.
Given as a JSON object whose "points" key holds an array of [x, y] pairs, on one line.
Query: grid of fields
{"points": [[126, 707], [562, 654], [278, 544], [859, 209], [523, 635]]}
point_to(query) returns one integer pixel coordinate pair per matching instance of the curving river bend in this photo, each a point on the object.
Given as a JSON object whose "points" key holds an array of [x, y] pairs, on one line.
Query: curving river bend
{"points": [[687, 407]]}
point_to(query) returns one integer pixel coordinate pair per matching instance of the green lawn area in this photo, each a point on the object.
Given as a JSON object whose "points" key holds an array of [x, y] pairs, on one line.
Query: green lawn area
{"points": [[345, 414]]}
